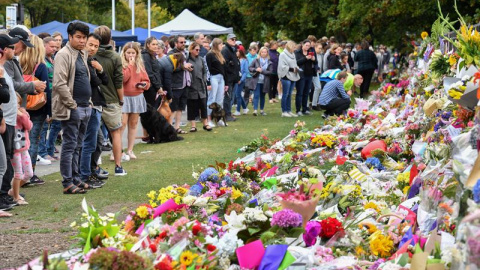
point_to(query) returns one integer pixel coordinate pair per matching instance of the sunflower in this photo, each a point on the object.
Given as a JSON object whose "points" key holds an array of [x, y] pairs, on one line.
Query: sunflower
{"points": [[424, 35], [186, 258]]}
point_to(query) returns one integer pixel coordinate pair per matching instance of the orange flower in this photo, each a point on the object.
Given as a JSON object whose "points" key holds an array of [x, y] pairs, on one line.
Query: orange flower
{"points": [[476, 77]]}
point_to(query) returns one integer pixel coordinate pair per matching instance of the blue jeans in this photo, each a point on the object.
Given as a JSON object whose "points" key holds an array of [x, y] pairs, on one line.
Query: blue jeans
{"points": [[238, 96], [73, 132], [287, 87], [259, 95], [89, 144], [47, 145], [105, 133], [218, 91], [303, 90], [34, 134]]}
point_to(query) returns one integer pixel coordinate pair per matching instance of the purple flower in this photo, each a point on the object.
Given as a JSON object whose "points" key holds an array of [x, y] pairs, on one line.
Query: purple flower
{"points": [[312, 230], [286, 218], [376, 264], [476, 192]]}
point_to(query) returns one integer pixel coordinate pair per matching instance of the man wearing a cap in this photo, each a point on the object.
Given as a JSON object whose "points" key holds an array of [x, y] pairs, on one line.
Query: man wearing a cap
{"points": [[10, 115], [232, 70], [12, 67]]}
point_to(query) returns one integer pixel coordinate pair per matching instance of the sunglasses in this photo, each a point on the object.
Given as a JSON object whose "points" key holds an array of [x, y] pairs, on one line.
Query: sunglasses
{"points": [[197, 50], [234, 39], [11, 47], [182, 42]]}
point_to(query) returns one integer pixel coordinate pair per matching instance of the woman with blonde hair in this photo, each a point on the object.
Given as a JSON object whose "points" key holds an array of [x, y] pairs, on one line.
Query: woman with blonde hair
{"points": [[288, 73], [261, 69], [32, 61], [216, 67], [135, 82]]}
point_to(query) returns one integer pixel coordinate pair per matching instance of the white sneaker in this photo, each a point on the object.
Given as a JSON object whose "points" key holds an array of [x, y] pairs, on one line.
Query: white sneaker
{"points": [[299, 113], [237, 113], [245, 111], [211, 124], [292, 114], [42, 161], [286, 114], [125, 157], [307, 113], [221, 123]]}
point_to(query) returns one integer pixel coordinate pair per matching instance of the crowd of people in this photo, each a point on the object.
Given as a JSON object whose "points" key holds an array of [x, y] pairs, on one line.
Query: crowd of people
{"points": [[90, 94]]}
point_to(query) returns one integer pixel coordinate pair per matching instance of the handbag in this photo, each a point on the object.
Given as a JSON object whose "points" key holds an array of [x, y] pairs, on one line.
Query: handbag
{"points": [[19, 141], [35, 102]]}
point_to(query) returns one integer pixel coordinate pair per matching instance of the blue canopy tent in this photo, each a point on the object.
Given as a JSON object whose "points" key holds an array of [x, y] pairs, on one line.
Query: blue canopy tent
{"points": [[120, 38], [46, 28], [142, 34]]}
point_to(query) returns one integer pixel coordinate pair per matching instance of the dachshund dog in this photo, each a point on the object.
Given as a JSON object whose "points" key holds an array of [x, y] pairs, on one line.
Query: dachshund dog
{"points": [[218, 113], [159, 130]]}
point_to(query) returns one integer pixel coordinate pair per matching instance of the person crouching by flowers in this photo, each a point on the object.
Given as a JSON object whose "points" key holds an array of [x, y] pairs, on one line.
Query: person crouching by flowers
{"points": [[333, 98], [21, 161], [262, 68], [135, 82]]}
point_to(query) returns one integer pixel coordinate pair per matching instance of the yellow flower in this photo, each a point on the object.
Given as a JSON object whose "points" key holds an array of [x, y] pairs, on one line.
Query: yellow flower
{"points": [[236, 193], [452, 60], [142, 211], [424, 35], [186, 258], [372, 205], [405, 190], [359, 251], [381, 245]]}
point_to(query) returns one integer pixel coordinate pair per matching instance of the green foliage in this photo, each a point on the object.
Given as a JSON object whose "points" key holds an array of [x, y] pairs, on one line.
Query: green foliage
{"points": [[113, 260]]}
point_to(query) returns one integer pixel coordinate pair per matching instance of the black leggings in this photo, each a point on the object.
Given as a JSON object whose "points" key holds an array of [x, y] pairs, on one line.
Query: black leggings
{"points": [[272, 93], [336, 106], [367, 79], [194, 106]]}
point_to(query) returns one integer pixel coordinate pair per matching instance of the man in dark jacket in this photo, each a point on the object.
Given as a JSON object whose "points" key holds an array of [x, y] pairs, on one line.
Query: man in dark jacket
{"points": [[179, 83], [91, 142], [232, 70], [113, 92]]}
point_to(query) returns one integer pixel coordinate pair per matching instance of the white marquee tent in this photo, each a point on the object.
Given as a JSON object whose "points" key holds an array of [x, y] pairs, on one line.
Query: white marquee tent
{"points": [[187, 24]]}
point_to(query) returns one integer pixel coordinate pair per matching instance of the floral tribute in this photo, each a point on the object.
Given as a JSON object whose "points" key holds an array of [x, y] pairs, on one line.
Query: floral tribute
{"points": [[384, 186]]}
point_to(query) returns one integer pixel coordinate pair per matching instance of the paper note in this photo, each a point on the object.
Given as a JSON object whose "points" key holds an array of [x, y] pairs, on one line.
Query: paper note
{"points": [[250, 256], [454, 132]]}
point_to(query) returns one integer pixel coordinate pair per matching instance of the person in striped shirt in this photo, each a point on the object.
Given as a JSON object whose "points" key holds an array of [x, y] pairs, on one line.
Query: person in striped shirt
{"points": [[334, 99]]}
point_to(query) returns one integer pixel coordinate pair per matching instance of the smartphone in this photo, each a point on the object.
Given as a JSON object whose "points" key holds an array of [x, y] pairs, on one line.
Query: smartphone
{"points": [[141, 84], [311, 53]]}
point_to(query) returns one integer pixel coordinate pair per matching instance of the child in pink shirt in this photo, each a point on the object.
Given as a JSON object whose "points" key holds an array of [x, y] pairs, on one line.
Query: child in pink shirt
{"points": [[21, 161]]}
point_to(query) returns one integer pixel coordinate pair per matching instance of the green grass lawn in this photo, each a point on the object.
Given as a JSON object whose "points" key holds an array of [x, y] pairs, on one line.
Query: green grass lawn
{"points": [[157, 166]]}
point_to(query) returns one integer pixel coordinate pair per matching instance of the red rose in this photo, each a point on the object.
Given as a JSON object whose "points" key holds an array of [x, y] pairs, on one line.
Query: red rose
{"points": [[162, 235], [330, 227], [196, 229], [153, 247], [211, 247]]}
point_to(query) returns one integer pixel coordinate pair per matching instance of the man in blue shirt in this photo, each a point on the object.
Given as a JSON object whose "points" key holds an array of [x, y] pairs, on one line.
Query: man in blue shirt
{"points": [[334, 99]]}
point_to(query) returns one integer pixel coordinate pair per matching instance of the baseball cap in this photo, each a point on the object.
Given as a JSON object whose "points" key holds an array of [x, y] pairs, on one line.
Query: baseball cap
{"points": [[22, 35], [230, 36], [6, 40]]}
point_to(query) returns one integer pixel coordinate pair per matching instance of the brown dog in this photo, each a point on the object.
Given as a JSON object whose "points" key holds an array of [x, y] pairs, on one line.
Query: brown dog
{"points": [[164, 109], [218, 113]]}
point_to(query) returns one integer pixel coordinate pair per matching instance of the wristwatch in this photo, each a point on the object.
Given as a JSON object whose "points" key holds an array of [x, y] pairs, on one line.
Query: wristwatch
{"points": [[120, 102]]}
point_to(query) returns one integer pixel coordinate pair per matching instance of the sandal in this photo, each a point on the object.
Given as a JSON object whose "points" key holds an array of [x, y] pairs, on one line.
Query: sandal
{"points": [[193, 129], [207, 128], [84, 185], [72, 189], [180, 131]]}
